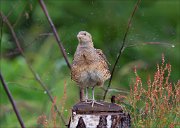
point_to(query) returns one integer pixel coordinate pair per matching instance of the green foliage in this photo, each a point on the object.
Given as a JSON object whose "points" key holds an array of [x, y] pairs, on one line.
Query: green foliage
{"points": [[155, 21]]}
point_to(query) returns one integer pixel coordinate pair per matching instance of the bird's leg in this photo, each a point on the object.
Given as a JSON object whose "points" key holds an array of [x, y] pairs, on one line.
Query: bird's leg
{"points": [[86, 99], [93, 100]]}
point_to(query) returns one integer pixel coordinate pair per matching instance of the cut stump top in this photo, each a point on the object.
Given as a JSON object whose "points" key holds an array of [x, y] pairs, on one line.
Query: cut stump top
{"points": [[86, 108]]}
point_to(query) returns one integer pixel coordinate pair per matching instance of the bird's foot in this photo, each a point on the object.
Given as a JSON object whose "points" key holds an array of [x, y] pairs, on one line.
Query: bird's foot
{"points": [[87, 101], [91, 101], [95, 102]]}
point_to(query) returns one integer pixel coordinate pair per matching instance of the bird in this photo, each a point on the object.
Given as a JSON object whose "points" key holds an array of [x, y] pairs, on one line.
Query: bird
{"points": [[90, 66]]}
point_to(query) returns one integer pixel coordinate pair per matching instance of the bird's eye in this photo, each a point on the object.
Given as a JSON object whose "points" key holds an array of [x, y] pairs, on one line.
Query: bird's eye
{"points": [[84, 34]]}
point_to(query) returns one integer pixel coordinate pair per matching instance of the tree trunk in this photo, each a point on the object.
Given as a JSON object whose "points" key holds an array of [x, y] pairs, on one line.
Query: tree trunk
{"points": [[108, 115]]}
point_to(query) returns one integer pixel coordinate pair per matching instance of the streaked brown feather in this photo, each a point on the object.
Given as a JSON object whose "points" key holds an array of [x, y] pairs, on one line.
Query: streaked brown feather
{"points": [[89, 66]]}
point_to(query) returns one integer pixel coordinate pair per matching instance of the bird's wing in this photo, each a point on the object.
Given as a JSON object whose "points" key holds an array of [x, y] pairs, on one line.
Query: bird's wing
{"points": [[102, 56]]}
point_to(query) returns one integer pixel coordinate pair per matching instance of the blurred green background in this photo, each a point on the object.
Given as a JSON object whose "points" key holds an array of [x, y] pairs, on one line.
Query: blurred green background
{"points": [[154, 21]]}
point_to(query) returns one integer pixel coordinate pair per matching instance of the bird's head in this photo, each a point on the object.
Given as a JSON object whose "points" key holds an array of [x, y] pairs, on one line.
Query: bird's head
{"points": [[84, 37]]}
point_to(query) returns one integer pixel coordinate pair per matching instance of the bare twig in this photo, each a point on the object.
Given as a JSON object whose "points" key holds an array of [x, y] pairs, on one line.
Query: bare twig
{"points": [[151, 43], [13, 7], [43, 6], [1, 31], [122, 47], [19, 16], [16, 50], [12, 101], [36, 75]]}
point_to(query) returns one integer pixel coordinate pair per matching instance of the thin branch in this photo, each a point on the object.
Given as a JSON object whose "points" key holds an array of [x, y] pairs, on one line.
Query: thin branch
{"points": [[151, 43], [12, 101], [43, 6], [122, 47], [20, 16], [1, 32], [16, 50], [13, 7], [36, 75]]}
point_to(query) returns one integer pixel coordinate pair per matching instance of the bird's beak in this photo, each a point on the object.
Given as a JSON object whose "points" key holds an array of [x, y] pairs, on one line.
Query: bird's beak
{"points": [[79, 37]]}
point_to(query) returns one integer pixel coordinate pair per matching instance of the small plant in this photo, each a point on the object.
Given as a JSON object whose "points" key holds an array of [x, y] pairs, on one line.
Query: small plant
{"points": [[156, 103], [42, 120]]}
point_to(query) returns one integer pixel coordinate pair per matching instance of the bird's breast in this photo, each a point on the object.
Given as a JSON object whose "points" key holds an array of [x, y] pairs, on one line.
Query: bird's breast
{"points": [[90, 78], [87, 68]]}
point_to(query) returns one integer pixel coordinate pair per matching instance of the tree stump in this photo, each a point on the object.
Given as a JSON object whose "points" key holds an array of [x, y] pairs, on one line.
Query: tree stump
{"points": [[108, 115]]}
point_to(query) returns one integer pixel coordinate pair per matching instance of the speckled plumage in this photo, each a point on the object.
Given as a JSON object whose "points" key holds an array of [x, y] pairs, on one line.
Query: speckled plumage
{"points": [[89, 68]]}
